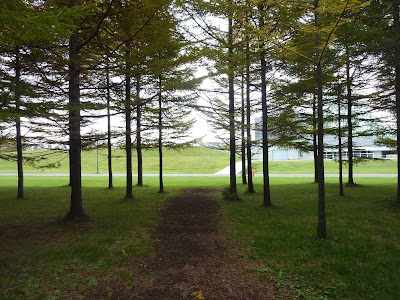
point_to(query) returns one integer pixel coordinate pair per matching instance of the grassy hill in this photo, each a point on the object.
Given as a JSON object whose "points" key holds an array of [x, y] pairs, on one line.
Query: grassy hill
{"points": [[195, 160], [200, 160], [331, 167]]}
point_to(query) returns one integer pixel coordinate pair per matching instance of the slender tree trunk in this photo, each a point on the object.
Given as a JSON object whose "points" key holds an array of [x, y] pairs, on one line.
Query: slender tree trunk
{"points": [[267, 194], [110, 175], [232, 146], [250, 185], [396, 28], [341, 193], [76, 208], [139, 133], [70, 167], [264, 109], [128, 131], [243, 147], [315, 144], [17, 93], [321, 227], [161, 190], [349, 118]]}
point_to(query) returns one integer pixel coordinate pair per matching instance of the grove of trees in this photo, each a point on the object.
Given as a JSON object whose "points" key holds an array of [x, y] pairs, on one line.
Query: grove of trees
{"points": [[309, 68]]}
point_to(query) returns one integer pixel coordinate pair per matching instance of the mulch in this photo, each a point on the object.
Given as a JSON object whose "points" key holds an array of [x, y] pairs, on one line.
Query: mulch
{"points": [[193, 259]]}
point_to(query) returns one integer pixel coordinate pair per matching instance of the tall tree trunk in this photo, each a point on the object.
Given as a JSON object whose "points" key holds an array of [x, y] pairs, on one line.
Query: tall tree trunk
{"points": [[243, 147], [349, 118], [128, 131], [110, 175], [321, 227], [139, 133], [396, 28], [232, 146], [250, 185], [17, 94], [315, 144], [76, 209], [264, 109], [341, 193], [70, 167], [267, 194], [161, 190]]}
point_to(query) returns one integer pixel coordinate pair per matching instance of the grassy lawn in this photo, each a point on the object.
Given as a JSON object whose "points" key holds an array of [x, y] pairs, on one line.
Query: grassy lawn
{"points": [[331, 167], [44, 259], [359, 260], [193, 160]]}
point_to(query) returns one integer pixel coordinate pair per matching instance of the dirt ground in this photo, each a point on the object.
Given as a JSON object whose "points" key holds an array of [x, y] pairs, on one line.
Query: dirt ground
{"points": [[193, 260]]}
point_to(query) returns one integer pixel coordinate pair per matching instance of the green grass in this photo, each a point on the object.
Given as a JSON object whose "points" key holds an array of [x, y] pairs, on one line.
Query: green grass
{"points": [[359, 260], [193, 160], [41, 258], [331, 167], [44, 259]]}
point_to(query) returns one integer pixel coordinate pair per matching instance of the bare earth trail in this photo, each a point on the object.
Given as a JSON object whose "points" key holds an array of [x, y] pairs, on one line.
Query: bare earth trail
{"points": [[193, 260]]}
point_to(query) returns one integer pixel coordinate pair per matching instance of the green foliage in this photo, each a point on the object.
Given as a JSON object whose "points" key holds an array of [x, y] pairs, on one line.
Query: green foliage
{"points": [[228, 195]]}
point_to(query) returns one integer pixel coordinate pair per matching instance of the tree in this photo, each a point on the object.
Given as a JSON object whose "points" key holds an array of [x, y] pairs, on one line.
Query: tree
{"points": [[326, 19], [85, 25], [171, 76], [23, 28], [130, 51], [382, 39], [231, 97]]}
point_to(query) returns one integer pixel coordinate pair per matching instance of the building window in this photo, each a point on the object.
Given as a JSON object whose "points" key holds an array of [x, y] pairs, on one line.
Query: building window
{"points": [[361, 153]]}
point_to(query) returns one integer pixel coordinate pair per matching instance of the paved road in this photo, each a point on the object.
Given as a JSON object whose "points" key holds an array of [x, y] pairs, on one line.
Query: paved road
{"points": [[199, 175]]}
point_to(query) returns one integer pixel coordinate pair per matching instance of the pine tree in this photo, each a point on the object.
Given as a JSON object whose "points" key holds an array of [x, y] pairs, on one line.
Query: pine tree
{"points": [[382, 38], [171, 75], [23, 28], [320, 32]]}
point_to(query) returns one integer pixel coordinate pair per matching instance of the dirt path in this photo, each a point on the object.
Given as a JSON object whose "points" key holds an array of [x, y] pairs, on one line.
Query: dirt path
{"points": [[193, 260]]}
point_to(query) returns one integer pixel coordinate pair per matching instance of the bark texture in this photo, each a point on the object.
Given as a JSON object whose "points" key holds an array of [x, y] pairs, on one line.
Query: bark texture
{"points": [[232, 146], [109, 149], [267, 194], [396, 28], [341, 192], [160, 141], [17, 94], [315, 136], [139, 133], [243, 139], [250, 186], [321, 226], [128, 130], [349, 119], [76, 208]]}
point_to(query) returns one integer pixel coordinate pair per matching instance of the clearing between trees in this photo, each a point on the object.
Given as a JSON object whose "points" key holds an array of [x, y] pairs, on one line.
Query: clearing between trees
{"points": [[192, 260]]}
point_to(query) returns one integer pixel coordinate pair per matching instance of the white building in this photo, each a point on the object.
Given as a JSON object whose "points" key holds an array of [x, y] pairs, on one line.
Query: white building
{"points": [[362, 147]]}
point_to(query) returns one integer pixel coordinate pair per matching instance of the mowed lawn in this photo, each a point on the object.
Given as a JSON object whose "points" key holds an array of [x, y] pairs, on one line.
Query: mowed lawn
{"points": [[194, 160], [186, 161], [41, 258], [384, 166]]}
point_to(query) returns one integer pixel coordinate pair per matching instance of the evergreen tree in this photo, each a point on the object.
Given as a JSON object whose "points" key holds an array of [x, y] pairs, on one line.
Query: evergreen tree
{"points": [[382, 38], [171, 76], [23, 29]]}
